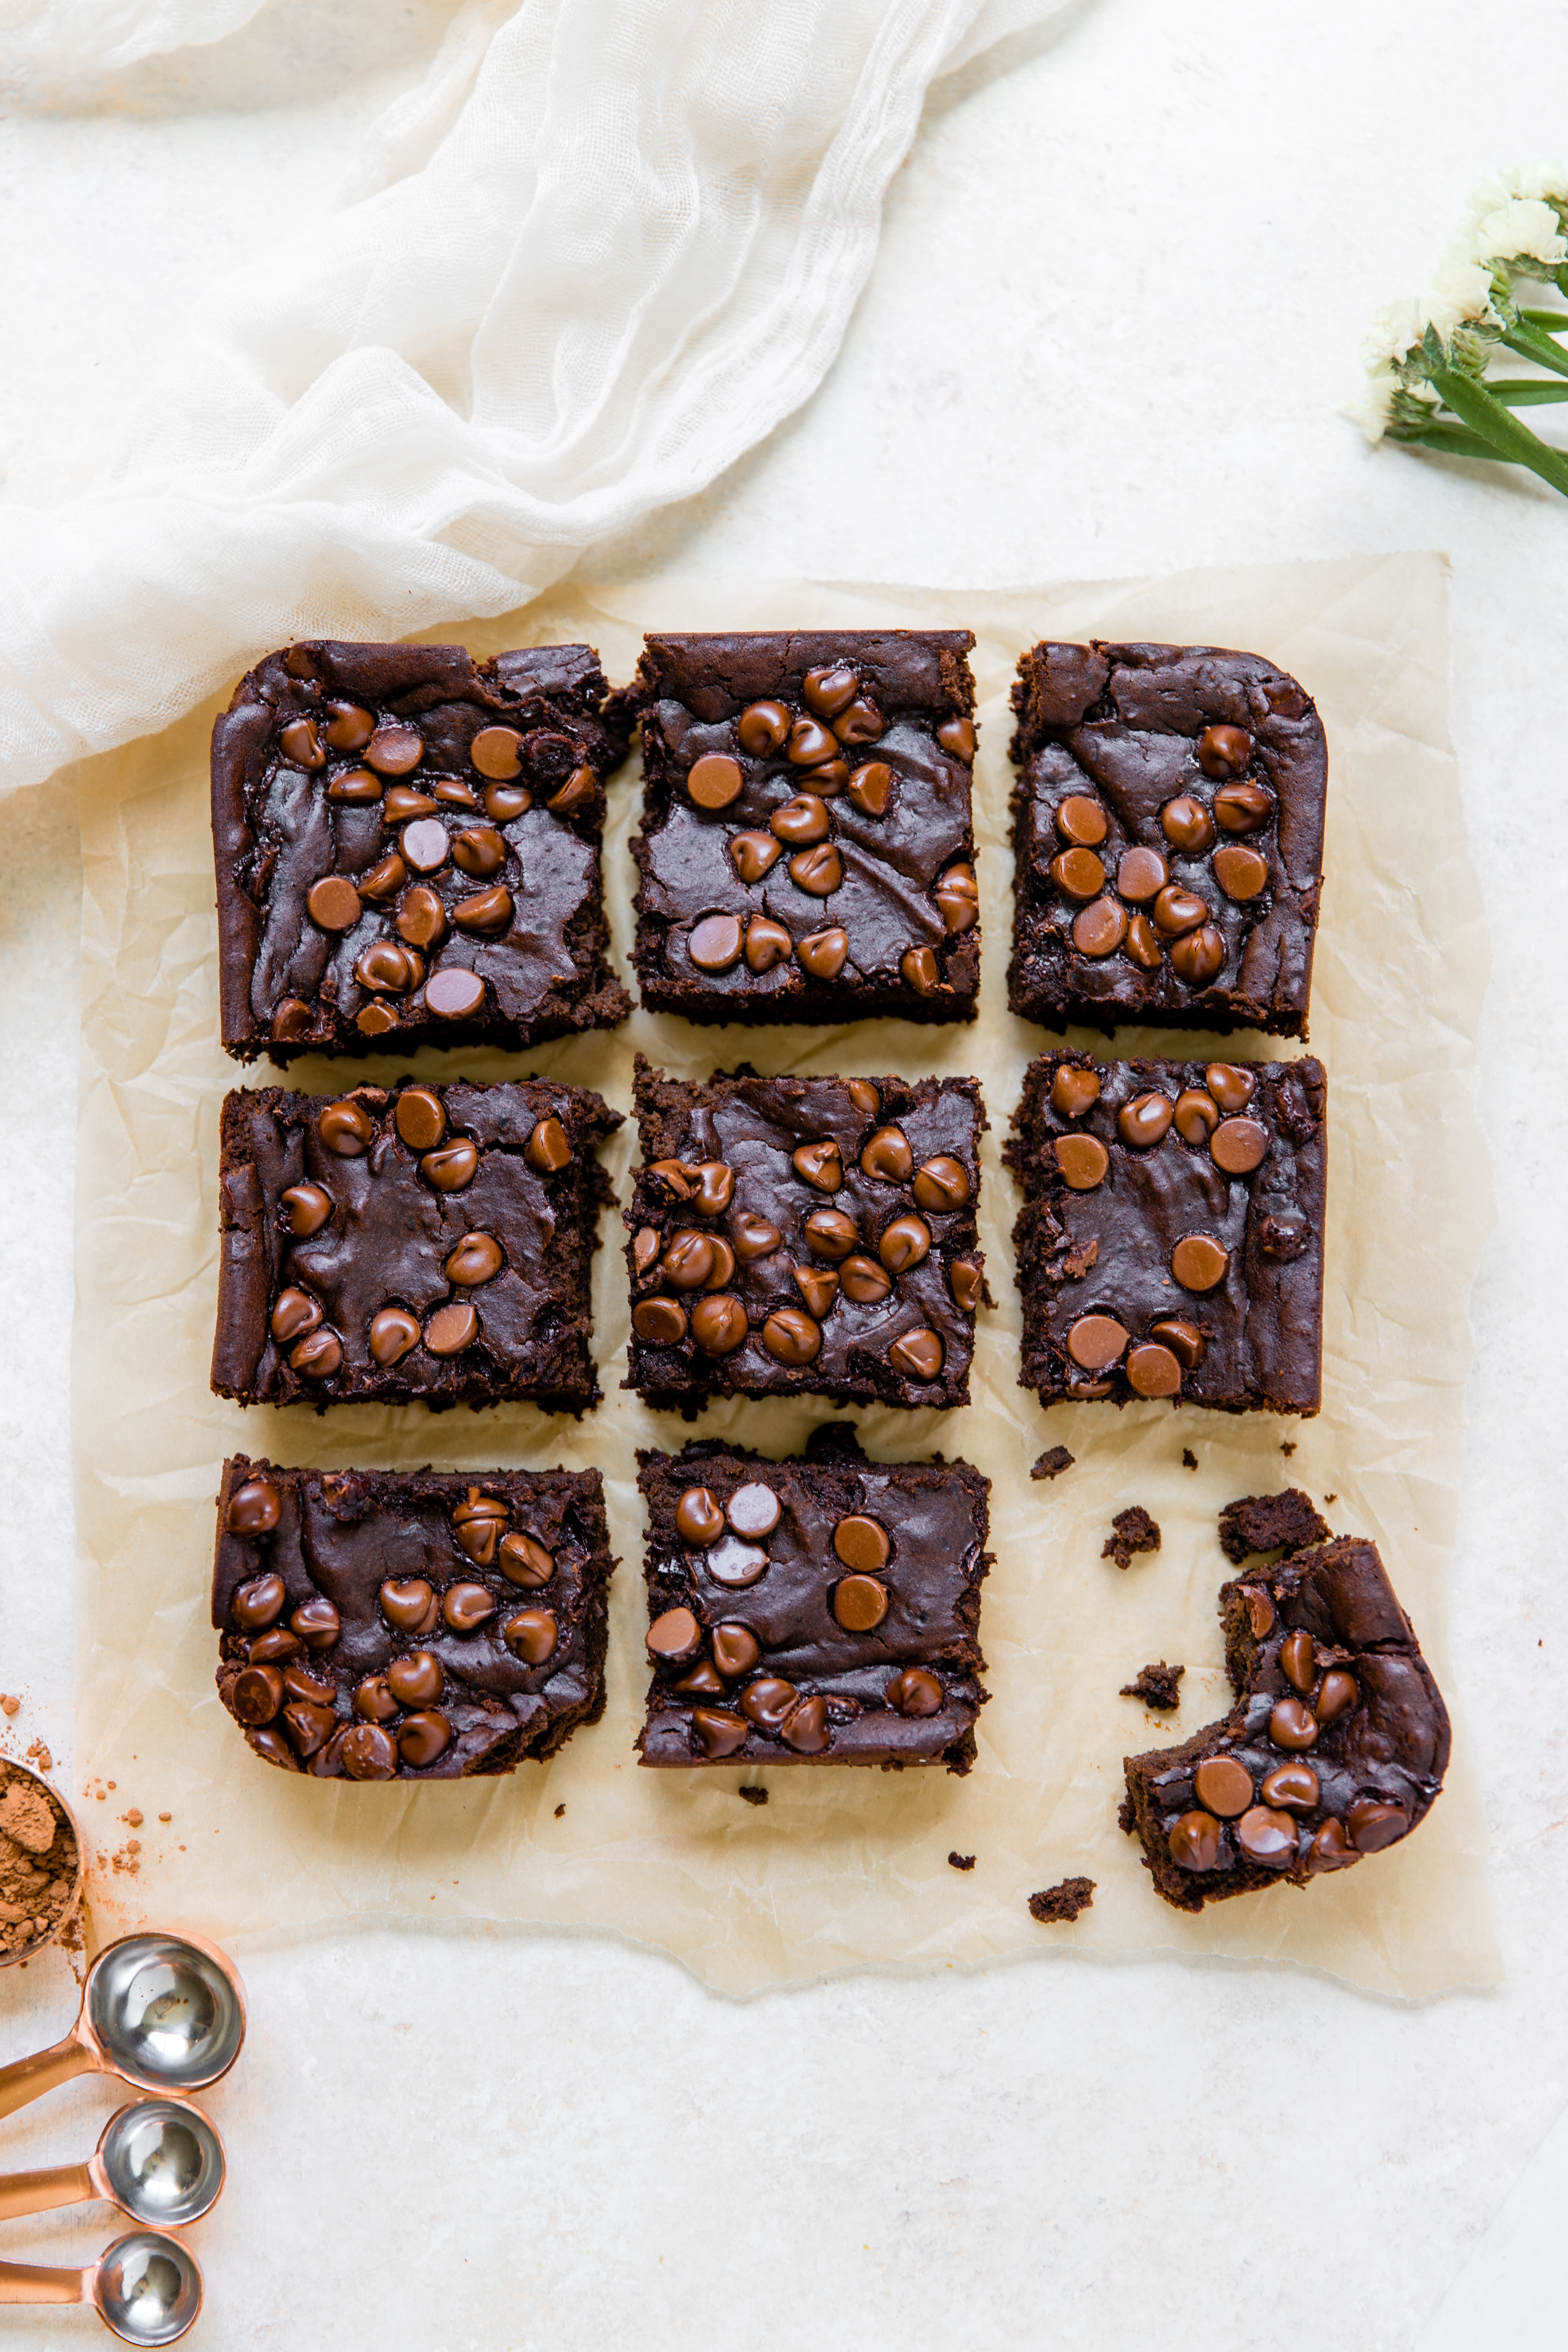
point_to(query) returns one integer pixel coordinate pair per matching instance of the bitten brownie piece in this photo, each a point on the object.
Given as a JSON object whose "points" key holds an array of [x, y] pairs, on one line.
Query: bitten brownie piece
{"points": [[421, 1243], [407, 846], [805, 1236], [822, 1610], [1336, 1747], [1168, 828], [1170, 1241], [1264, 1522], [381, 1624], [807, 851]]}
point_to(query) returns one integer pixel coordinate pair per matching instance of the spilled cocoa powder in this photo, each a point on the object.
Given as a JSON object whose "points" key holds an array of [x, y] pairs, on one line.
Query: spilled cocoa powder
{"points": [[38, 1862]]}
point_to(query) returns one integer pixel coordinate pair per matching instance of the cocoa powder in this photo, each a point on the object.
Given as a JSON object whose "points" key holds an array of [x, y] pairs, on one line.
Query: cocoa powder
{"points": [[37, 1862]]}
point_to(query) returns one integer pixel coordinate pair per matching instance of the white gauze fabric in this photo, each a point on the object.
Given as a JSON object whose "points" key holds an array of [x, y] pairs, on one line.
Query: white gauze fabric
{"points": [[604, 248]]}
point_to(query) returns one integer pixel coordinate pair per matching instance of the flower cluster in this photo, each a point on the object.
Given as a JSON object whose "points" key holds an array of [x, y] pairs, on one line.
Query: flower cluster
{"points": [[1427, 358]]}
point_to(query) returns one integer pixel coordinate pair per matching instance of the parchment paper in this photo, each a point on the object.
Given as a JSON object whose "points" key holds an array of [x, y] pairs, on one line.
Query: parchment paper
{"points": [[840, 1868]]}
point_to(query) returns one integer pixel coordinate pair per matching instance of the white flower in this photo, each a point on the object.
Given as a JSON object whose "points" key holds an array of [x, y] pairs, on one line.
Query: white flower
{"points": [[1373, 406], [1536, 180], [1522, 228], [1460, 290], [1396, 329]]}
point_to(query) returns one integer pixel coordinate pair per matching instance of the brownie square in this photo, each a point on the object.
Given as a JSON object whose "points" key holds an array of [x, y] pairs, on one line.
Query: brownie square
{"points": [[1168, 832], [821, 1610], [381, 1624], [420, 1244], [1170, 1241], [407, 847], [1335, 1748], [807, 851], [809, 1236]]}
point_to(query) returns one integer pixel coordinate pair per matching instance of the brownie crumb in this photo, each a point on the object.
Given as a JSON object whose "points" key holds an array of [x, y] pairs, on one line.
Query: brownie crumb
{"points": [[1126, 1819], [1060, 1906], [1288, 1447], [1132, 1530], [1189, 1459], [1330, 1498], [754, 1796], [559, 1810], [1156, 1685], [1265, 1522], [1052, 1464], [962, 1861]]}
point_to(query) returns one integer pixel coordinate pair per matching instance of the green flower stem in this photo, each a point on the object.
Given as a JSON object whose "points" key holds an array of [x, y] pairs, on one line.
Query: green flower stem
{"points": [[1452, 440], [1496, 424], [1554, 322], [1530, 391], [1540, 348]]}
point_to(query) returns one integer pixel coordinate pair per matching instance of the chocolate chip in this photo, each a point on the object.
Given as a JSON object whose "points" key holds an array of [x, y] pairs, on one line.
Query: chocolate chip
{"points": [[455, 995], [1299, 1660], [373, 1702], [333, 903], [967, 1285], [688, 1262], [802, 820], [1145, 1120], [318, 1356], [918, 1355], [715, 943], [675, 1636], [1291, 1724], [1291, 1786], [790, 1337], [1141, 874], [532, 1635], [698, 1517], [1199, 957], [1083, 1161], [735, 1649], [268, 1648], [497, 753], [1144, 944], [256, 1694], [805, 1729], [831, 1233], [1224, 1785], [1267, 1837], [754, 1510], [753, 855], [957, 896], [479, 851], [373, 1020], [768, 944], [904, 1244], [818, 1285], [942, 1183], [823, 954], [767, 1701], [871, 787], [817, 871], [1339, 1693], [862, 722], [919, 970], [718, 1324], [659, 1321], [505, 802], [349, 726], [1154, 1372], [862, 1543], [1242, 808], [755, 1237], [309, 1727], [914, 1692], [297, 741], [863, 1281], [452, 1328], [1187, 825], [478, 1526], [524, 1561], [486, 912], [451, 792], [417, 1680], [1199, 1262], [423, 844], [346, 1129], [860, 1603], [575, 792], [810, 743], [1095, 1342], [410, 1604], [1331, 1851], [1238, 1145], [1184, 1341], [887, 1155], [293, 1019], [1074, 1090], [1078, 873], [420, 1117], [762, 729], [1193, 1842], [421, 917], [395, 750], [1082, 821], [1224, 750], [405, 800], [645, 1249], [957, 736], [368, 1753], [254, 1510], [1196, 1117], [317, 1622], [735, 1564], [1375, 1825], [1240, 873], [385, 880], [828, 690], [423, 1738], [1100, 929], [1177, 911], [393, 1331], [385, 966], [316, 1690], [718, 1734], [715, 780], [820, 1164]]}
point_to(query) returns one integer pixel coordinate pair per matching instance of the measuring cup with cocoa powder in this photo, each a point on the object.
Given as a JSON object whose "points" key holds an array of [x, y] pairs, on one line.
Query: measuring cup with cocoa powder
{"points": [[40, 1863]]}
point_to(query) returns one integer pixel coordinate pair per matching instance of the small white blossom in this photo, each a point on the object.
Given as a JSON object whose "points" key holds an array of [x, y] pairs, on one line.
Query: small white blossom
{"points": [[1395, 330], [1544, 181], [1524, 228], [1372, 407], [1460, 290]]}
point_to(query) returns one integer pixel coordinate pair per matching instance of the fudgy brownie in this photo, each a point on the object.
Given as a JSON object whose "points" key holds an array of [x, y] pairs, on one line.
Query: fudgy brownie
{"points": [[1336, 1746], [804, 1235], [1168, 829], [381, 1624], [1171, 1242], [807, 851], [822, 1610], [407, 846], [421, 1243]]}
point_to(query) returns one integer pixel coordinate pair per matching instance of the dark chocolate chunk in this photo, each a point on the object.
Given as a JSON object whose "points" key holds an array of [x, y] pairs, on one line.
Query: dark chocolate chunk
{"points": [[1264, 1522], [1156, 1686], [1132, 1530], [1060, 1906], [1052, 1462], [1115, 750]]}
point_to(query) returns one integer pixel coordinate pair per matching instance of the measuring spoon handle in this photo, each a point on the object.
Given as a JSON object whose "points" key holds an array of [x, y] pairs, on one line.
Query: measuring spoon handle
{"points": [[27, 2079], [40, 2283], [39, 2192]]}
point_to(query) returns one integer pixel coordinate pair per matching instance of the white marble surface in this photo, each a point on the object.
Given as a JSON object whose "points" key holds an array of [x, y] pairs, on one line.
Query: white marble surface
{"points": [[1120, 295]]}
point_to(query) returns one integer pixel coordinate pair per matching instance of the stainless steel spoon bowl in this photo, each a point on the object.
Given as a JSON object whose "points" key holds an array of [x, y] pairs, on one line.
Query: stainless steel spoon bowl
{"points": [[159, 2161], [145, 2287], [164, 2013]]}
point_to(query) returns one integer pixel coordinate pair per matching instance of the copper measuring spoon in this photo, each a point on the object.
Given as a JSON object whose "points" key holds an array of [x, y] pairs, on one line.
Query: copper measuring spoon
{"points": [[164, 2013], [159, 2160], [145, 2287]]}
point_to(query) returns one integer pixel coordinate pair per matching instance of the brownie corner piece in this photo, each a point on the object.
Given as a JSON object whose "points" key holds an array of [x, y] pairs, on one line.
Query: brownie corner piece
{"points": [[819, 1611], [807, 850], [410, 1245], [1336, 1747], [380, 1625], [407, 846], [1168, 834], [804, 1235], [1170, 1243]]}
